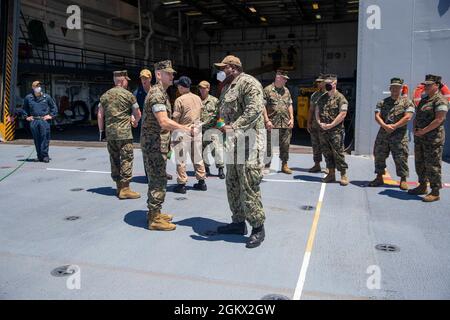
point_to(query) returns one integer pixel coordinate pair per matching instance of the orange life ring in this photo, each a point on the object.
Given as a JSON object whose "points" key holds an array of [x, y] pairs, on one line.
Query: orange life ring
{"points": [[418, 91], [445, 91], [405, 90]]}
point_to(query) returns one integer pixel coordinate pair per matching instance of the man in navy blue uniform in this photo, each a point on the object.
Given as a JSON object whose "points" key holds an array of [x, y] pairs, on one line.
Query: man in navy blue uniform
{"points": [[39, 108]]}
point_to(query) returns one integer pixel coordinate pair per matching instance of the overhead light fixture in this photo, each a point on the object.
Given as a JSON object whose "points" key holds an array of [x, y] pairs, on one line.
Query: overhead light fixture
{"points": [[353, 1], [171, 2], [315, 6], [263, 19], [252, 9], [210, 22], [353, 11], [318, 16], [193, 13]]}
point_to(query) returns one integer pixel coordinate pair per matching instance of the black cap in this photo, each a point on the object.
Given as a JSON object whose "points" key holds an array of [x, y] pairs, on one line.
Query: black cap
{"points": [[397, 82], [330, 77], [431, 78], [283, 73], [320, 78], [183, 81]]}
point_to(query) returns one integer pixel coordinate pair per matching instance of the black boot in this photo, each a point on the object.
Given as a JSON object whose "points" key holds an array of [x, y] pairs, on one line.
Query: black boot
{"points": [[233, 228], [201, 185], [208, 172], [168, 176], [221, 174], [181, 188], [256, 238]]}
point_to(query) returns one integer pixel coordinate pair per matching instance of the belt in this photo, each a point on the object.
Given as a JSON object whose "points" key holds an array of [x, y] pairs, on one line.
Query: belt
{"points": [[38, 118]]}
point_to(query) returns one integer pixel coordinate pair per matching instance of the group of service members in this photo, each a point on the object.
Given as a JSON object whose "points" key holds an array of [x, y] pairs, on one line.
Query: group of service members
{"points": [[245, 105]]}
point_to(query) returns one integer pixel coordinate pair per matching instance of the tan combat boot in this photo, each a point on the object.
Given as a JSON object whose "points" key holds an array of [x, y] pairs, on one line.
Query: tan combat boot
{"points": [[168, 217], [403, 184], [285, 169], [420, 190], [156, 222], [344, 178], [331, 177], [433, 196], [127, 193], [377, 182], [119, 186], [316, 168]]}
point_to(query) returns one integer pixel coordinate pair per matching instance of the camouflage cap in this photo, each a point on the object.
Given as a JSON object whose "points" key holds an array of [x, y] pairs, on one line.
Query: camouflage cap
{"points": [[122, 73], [397, 82], [145, 73], [36, 84], [165, 65], [204, 85], [229, 60], [320, 78], [330, 77], [431, 79], [283, 73]]}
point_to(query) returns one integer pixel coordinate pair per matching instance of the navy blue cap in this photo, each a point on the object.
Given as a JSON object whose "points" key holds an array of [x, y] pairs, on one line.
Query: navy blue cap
{"points": [[183, 81]]}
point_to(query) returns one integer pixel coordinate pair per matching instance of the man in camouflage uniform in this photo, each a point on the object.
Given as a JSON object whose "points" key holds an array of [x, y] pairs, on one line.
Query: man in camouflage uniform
{"points": [[393, 115], [331, 110], [241, 106], [155, 142], [209, 116], [429, 138], [118, 111], [141, 93], [279, 114], [313, 127]]}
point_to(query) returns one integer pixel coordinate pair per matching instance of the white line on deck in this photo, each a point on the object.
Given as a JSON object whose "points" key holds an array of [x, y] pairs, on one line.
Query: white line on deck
{"points": [[288, 181], [77, 170], [309, 246]]}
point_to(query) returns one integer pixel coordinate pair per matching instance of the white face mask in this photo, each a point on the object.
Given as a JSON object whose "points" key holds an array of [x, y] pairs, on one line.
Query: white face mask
{"points": [[221, 76], [37, 90]]}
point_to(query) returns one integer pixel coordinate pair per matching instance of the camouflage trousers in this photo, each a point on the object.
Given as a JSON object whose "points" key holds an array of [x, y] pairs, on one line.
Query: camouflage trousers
{"points": [[244, 194], [398, 145], [285, 136], [332, 147], [315, 142], [428, 160], [155, 165], [216, 147], [121, 158]]}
